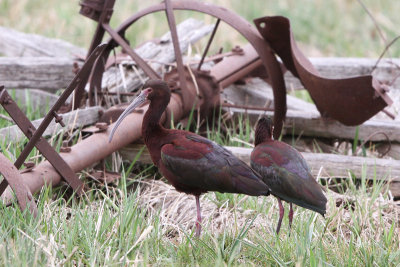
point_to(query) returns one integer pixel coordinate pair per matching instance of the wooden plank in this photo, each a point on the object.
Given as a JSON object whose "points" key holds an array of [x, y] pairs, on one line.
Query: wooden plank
{"points": [[74, 119], [322, 164], [311, 124], [18, 44], [36, 72]]}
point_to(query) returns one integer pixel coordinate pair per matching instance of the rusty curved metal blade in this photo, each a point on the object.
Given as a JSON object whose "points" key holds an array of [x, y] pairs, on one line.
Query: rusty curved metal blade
{"points": [[351, 101], [14, 179]]}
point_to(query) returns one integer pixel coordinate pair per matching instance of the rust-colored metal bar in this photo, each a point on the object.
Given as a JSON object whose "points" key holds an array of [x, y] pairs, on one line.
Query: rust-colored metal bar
{"points": [[240, 73], [208, 44], [235, 67], [34, 135], [79, 83], [13, 177], [3, 185], [94, 148], [45, 148], [105, 16], [141, 63], [175, 41], [246, 107]]}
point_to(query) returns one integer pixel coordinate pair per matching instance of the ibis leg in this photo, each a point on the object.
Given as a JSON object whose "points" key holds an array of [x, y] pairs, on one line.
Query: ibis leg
{"points": [[281, 212], [198, 222], [290, 216]]}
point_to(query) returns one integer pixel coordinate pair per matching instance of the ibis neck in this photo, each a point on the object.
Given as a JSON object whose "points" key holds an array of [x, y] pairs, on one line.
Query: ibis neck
{"points": [[151, 122], [262, 135]]}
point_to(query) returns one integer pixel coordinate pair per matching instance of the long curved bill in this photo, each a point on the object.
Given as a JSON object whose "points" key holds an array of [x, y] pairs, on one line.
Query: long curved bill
{"points": [[135, 103]]}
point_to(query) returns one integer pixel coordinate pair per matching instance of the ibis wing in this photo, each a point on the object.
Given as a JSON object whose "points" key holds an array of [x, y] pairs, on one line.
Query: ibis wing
{"points": [[197, 162], [288, 176], [283, 155]]}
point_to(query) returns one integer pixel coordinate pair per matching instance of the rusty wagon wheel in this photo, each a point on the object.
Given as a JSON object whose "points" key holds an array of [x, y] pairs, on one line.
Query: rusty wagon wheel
{"points": [[243, 27]]}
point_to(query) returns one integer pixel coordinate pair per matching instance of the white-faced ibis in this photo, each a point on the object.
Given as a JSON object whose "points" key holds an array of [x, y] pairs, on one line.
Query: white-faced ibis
{"points": [[191, 163], [285, 172]]}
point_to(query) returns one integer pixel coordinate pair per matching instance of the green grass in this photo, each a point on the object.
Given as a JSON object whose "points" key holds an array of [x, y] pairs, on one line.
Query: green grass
{"points": [[109, 227], [125, 224]]}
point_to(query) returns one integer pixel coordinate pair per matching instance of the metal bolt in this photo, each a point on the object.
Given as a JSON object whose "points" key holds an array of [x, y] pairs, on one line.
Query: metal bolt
{"points": [[30, 132], [75, 67], [58, 119], [102, 126], [64, 147], [4, 98], [86, 10], [29, 164], [237, 49]]}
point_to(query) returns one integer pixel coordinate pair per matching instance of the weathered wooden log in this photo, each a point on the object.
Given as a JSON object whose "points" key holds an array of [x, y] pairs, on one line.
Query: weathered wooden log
{"points": [[36, 99], [311, 124], [36, 72], [18, 44], [321, 164], [74, 119]]}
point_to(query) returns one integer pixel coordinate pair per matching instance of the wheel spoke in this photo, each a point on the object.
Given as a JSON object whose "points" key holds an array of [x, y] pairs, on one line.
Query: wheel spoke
{"points": [[208, 44], [175, 41], [140, 61]]}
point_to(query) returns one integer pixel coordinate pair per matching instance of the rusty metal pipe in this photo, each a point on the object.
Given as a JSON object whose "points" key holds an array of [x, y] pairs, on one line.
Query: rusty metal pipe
{"points": [[93, 149]]}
